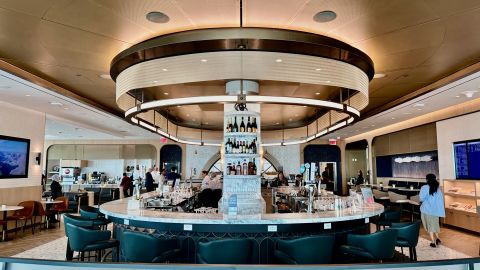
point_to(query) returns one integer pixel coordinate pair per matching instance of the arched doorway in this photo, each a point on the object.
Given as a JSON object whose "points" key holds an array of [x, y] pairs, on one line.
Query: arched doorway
{"points": [[171, 156], [326, 158]]}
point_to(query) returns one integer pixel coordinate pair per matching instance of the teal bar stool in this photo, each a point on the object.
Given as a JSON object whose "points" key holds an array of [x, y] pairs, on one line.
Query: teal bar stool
{"points": [[377, 246], [407, 236], [227, 251], [387, 218], [91, 213], [85, 240], [81, 222], [141, 247], [305, 250]]}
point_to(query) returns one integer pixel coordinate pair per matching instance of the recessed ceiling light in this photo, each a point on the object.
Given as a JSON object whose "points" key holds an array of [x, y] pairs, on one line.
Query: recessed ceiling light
{"points": [[304, 106], [166, 94], [178, 106], [277, 123], [56, 103], [206, 123], [65, 108], [318, 69], [278, 60], [325, 16], [27, 95], [328, 81], [393, 118], [379, 75], [317, 93], [419, 105], [470, 93], [204, 60], [188, 115], [290, 119], [155, 81], [105, 76], [157, 17], [419, 109], [164, 69], [457, 96]]}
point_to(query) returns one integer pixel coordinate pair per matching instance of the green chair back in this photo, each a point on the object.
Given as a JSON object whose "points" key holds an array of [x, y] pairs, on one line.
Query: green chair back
{"points": [[381, 244], [79, 238], [88, 214], [308, 250], [77, 221], [226, 251], [408, 232], [141, 247]]}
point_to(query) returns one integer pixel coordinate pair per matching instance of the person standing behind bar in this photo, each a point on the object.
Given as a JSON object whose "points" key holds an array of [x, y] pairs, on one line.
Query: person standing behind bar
{"points": [[125, 184], [432, 208], [360, 180], [149, 180], [173, 175]]}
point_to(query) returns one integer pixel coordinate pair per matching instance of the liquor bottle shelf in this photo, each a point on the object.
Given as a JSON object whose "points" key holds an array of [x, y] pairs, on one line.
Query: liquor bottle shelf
{"points": [[242, 134], [237, 156]]}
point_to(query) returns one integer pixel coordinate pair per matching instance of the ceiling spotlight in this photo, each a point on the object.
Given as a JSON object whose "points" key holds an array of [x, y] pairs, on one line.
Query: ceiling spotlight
{"points": [[325, 16], [206, 123], [304, 106], [204, 60], [278, 60], [56, 103], [317, 93], [419, 109], [318, 69], [277, 123], [155, 81], [166, 94], [105, 76], [469, 94], [419, 105], [379, 75], [328, 81], [164, 69], [157, 17], [27, 95], [457, 96], [178, 106]]}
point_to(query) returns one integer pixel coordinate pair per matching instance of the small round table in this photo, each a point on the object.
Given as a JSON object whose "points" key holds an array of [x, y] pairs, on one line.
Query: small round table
{"points": [[5, 210], [47, 205]]}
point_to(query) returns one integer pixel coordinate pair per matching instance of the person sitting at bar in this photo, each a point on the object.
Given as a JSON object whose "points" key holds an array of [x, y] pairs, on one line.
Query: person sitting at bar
{"points": [[281, 180], [149, 181], [125, 184], [55, 187], [173, 176], [360, 180], [206, 181], [298, 180]]}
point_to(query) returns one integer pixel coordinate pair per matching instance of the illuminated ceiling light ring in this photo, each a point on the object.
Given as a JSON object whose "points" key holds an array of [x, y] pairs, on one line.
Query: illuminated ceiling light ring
{"points": [[131, 113]]}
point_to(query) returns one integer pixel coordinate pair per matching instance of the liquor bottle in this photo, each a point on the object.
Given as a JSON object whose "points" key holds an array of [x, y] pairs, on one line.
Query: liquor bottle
{"points": [[227, 145], [254, 125], [254, 167], [250, 168], [238, 169], [249, 125], [234, 144], [245, 167], [242, 126], [227, 128], [244, 147], [235, 126], [254, 146]]}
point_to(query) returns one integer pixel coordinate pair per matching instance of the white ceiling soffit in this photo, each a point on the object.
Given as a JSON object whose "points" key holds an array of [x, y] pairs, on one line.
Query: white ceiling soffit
{"points": [[446, 96], [73, 119]]}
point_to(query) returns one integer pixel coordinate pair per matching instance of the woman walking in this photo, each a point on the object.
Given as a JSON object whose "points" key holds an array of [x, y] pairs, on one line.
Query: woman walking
{"points": [[432, 208]]}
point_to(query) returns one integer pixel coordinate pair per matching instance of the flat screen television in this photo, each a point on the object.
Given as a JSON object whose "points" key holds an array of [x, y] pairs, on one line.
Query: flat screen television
{"points": [[14, 156]]}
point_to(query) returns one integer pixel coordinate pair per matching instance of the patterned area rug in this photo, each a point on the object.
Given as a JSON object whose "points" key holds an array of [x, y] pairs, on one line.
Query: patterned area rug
{"points": [[55, 250]]}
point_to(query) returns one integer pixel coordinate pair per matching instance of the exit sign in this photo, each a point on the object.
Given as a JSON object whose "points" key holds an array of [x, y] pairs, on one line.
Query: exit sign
{"points": [[332, 141]]}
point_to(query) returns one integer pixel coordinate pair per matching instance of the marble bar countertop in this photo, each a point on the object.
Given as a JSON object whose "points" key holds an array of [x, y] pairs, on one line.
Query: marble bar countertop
{"points": [[119, 209]]}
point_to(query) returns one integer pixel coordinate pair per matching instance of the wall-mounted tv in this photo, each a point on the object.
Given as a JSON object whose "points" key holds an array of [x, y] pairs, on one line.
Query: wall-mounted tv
{"points": [[14, 156], [467, 159]]}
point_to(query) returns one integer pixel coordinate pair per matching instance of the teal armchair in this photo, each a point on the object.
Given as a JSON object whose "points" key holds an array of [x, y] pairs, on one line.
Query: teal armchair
{"points": [[140, 247], [305, 250], [407, 236], [387, 218], [226, 251], [83, 239], [376, 246]]}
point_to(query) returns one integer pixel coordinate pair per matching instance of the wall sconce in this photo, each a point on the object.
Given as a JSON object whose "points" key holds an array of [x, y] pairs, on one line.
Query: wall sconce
{"points": [[38, 158]]}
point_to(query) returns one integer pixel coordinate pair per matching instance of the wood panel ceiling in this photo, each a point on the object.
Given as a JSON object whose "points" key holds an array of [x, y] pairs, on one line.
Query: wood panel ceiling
{"points": [[71, 42]]}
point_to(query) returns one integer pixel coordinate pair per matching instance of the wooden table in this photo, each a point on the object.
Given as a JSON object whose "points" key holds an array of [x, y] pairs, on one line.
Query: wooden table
{"points": [[48, 204], [5, 209]]}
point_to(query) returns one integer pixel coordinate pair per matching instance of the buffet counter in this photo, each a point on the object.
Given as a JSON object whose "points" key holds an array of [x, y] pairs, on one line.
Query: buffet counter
{"points": [[191, 228]]}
